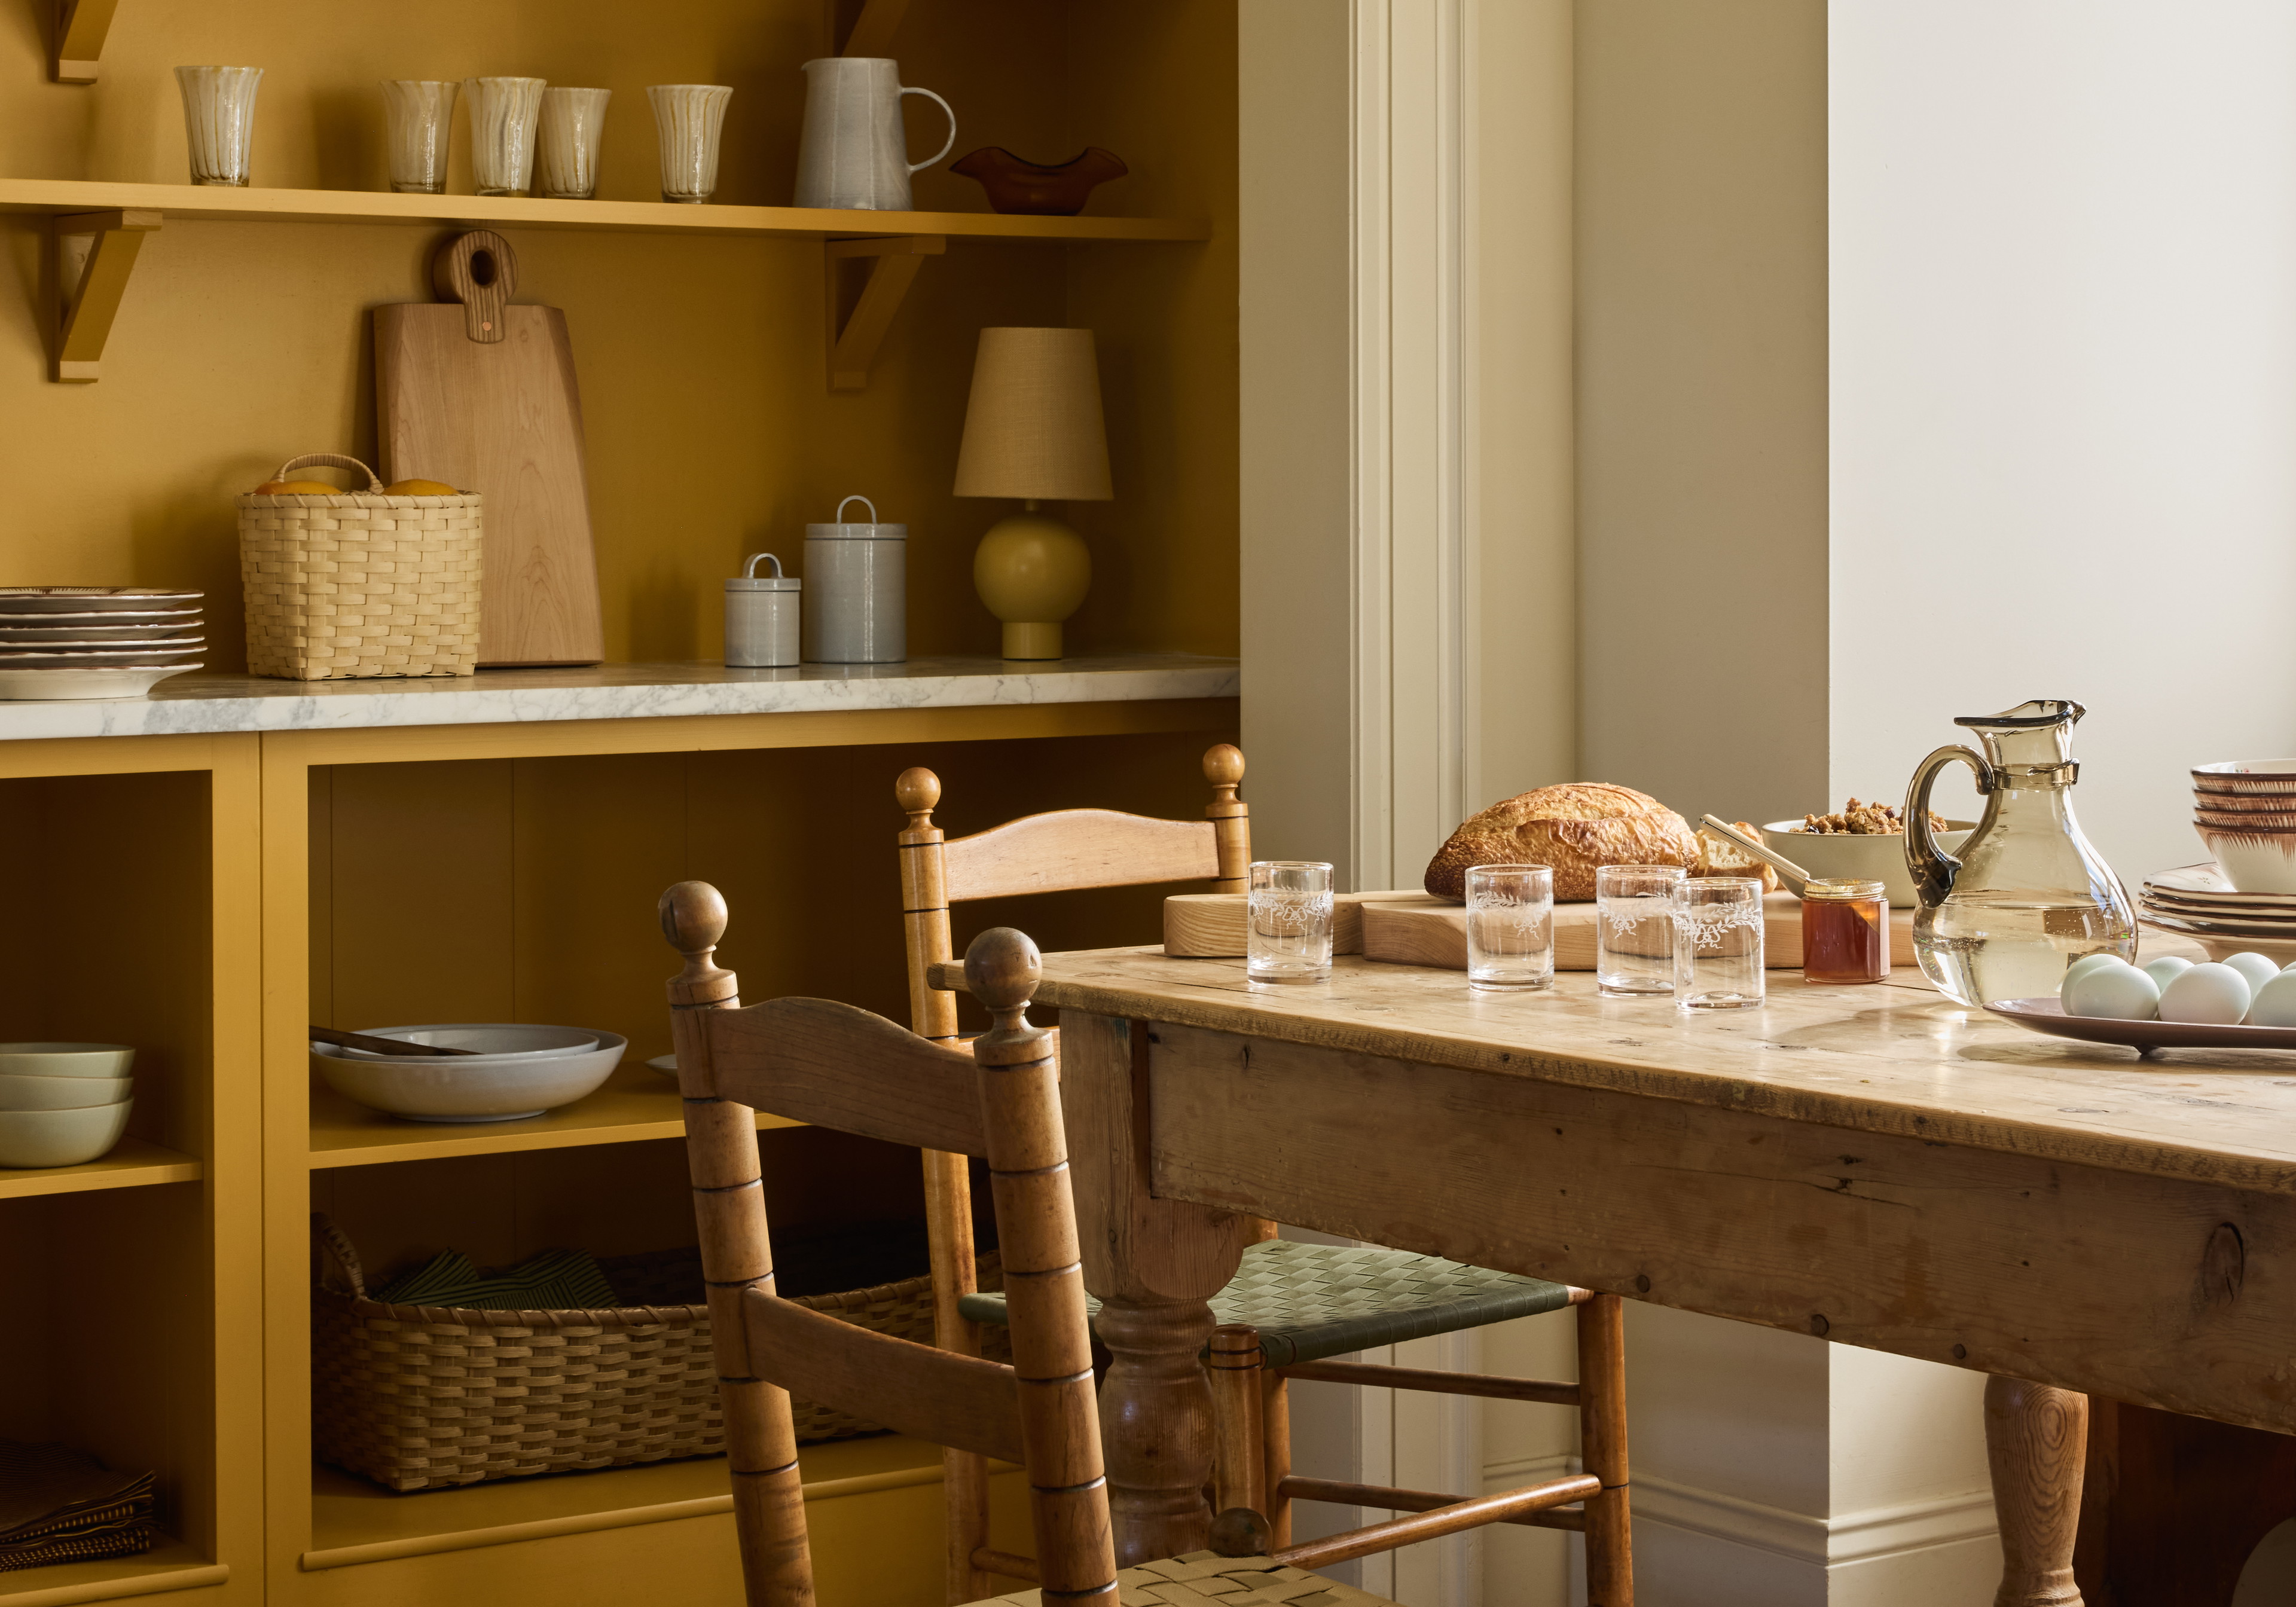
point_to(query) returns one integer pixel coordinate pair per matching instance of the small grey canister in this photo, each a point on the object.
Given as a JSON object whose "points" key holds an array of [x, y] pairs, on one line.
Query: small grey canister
{"points": [[856, 593], [761, 616]]}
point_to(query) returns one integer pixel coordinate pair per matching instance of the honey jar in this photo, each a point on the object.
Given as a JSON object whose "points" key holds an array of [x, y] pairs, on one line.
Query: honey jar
{"points": [[1845, 932]]}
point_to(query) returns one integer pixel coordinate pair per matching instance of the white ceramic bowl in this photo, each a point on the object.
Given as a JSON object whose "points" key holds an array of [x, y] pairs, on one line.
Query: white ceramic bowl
{"points": [[63, 685], [2250, 777], [1871, 858], [495, 1041], [65, 1060], [470, 1087], [2253, 861], [44, 1138], [61, 1092]]}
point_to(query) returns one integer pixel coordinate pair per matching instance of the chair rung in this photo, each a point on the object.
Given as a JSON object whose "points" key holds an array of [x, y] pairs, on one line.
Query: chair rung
{"points": [[1386, 1498], [1448, 1518], [1489, 1384], [989, 1560]]}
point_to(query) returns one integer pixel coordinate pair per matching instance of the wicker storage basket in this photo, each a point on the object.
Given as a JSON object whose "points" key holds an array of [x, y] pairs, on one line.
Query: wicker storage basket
{"points": [[422, 1397], [359, 584]]}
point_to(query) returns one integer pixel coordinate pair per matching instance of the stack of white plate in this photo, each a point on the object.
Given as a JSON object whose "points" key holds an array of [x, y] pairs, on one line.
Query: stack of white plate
{"points": [[62, 1105], [95, 641], [2198, 901]]}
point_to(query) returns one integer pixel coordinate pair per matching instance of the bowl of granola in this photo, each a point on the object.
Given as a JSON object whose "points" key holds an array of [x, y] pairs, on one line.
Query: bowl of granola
{"points": [[1865, 841]]}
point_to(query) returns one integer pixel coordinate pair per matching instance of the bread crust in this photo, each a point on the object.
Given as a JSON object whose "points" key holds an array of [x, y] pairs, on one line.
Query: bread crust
{"points": [[1576, 828]]}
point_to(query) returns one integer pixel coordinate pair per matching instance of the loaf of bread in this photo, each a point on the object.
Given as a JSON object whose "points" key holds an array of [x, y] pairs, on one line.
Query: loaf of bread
{"points": [[1576, 828]]}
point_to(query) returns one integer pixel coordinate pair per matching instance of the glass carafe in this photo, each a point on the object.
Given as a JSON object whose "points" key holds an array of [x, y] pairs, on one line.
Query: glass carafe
{"points": [[2027, 895]]}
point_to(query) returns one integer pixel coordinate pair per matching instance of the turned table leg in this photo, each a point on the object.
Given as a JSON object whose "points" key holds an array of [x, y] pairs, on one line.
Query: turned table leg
{"points": [[1156, 1428], [2035, 1438]]}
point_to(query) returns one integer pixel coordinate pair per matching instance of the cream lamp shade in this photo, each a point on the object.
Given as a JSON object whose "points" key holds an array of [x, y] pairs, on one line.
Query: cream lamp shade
{"points": [[1033, 428]]}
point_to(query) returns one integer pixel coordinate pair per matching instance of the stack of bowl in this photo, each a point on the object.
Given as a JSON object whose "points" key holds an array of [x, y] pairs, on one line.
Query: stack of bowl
{"points": [[2245, 811], [506, 1071], [95, 641], [62, 1105]]}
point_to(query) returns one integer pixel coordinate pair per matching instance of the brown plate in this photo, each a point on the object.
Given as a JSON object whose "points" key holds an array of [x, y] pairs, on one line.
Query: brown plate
{"points": [[2206, 882], [2048, 1015], [2210, 926]]}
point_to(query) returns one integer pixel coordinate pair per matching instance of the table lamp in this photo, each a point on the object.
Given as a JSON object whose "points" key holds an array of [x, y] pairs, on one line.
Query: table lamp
{"points": [[1033, 431]]}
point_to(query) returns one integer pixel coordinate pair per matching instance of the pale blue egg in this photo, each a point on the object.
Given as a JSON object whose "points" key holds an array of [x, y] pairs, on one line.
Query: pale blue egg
{"points": [[2167, 968], [2118, 992], [2258, 969], [2082, 966], [2275, 1003], [2212, 996]]}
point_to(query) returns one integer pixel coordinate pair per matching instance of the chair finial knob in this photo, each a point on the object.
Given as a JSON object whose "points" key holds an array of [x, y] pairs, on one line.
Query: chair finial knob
{"points": [[693, 917], [1241, 1532], [1224, 765], [917, 790], [1002, 968]]}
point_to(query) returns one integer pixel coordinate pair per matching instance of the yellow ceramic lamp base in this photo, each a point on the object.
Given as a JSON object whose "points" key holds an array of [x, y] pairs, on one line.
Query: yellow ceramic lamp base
{"points": [[1032, 571]]}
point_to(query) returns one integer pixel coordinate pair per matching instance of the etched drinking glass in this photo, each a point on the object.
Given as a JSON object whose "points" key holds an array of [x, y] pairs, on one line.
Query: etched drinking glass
{"points": [[689, 117], [1291, 909], [1717, 943], [1510, 927], [419, 116], [1634, 929], [567, 147], [219, 120], [504, 112]]}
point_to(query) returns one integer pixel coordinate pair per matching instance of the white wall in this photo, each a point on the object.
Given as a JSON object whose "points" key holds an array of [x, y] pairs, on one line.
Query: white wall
{"points": [[2063, 248]]}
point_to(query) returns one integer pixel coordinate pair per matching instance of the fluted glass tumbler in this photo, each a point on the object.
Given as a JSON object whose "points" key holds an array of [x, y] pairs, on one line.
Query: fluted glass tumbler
{"points": [[219, 120], [566, 160], [1291, 911], [1510, 927], [1717, 943], [689, 118], [1634, 929], [419, 114], [504, 112]]}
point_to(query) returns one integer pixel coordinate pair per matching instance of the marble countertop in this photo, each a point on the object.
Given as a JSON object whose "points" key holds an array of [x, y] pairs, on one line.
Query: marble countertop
{"points": [[205, 704]]}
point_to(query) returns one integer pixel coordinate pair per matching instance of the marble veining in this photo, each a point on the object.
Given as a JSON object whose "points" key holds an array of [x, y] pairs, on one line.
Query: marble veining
{"points": [[201, 702]]}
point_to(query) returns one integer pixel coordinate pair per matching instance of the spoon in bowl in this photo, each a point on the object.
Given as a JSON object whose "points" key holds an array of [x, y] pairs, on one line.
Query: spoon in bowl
{"points": [[1796, 879]]}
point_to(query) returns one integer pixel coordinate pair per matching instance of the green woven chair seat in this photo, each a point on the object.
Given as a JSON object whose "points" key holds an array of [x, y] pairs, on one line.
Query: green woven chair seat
{"points": [[1310, 1301]]}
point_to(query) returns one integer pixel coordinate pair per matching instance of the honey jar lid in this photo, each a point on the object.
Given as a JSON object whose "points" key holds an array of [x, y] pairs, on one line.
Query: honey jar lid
{"points": [[1843, 887]]}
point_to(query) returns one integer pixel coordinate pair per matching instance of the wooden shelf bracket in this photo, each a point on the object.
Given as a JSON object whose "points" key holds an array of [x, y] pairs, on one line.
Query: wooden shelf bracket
{"points": [[93, 254], [854, 337], [77, 45]]}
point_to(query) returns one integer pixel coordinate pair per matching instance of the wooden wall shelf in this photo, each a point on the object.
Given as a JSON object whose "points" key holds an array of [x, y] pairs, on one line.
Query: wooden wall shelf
{"points": [[132, 1163], [198, 203], [168, 1567]]}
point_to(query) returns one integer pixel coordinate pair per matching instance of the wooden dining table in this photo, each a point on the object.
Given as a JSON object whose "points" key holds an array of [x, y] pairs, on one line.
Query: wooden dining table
{"points": [[1875, 1165]]}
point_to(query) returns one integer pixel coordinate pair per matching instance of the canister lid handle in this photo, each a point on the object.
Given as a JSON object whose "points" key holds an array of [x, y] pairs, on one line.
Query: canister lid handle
{"points": [[864, 502], [749, 570]]}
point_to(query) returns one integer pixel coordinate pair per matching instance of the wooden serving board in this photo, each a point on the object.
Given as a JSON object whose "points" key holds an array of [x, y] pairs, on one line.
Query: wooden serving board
{"points": [[1423, 931], [1212, 926], [499, 414]]}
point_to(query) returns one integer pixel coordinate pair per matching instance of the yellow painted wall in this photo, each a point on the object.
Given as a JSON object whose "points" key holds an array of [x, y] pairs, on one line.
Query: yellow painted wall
{"points": [[711, 432]]}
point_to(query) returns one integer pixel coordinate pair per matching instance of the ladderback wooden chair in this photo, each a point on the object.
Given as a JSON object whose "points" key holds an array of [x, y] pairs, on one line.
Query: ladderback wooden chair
{"points": [[1292, 1306], [837, 1066]]}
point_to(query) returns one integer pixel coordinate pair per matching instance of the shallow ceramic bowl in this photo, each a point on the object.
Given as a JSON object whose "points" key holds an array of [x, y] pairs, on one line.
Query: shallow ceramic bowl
{"points": [[2227, 820], [44, 1138], [65, 1060], [2244, 803], [2253, 861], [2251, 777], [60, 686], [506, 1040], [61, 1092], [1870, 859], [470, 1087]]}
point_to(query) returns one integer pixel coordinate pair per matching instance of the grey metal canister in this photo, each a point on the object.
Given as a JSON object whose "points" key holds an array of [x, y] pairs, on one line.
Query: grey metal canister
{"points": [[761, 616], [855, 590]]}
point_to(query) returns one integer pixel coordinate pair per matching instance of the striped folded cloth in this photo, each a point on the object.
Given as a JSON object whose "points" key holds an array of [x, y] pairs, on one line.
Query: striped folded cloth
{"points": [[556, 1280], [59, 1505]]}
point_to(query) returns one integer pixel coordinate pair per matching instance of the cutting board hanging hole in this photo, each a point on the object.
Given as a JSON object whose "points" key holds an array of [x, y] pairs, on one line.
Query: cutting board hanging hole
{"points": [[480, 271]]}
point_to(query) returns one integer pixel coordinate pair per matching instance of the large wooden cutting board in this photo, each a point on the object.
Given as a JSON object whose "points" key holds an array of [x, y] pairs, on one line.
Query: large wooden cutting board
{"points": [[1433, 931], [501, 416]]}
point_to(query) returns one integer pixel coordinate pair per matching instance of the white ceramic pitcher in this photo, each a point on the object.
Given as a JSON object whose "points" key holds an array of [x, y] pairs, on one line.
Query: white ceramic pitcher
{"points": [[854, 153]]}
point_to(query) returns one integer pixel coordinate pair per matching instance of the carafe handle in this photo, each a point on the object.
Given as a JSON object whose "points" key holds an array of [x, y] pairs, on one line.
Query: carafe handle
{"points": [[1933, 869]]}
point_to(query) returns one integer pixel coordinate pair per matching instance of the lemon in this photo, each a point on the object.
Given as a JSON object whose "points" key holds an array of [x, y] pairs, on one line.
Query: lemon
{"points": [[419, 487]]}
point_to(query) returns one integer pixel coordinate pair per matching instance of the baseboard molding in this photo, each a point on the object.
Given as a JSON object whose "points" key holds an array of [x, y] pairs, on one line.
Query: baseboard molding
{"points": [[1859, 1536]]}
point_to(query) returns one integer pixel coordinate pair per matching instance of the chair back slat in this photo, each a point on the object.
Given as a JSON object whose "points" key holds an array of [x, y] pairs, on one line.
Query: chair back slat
{"points": [[835, 1066], [912, 1388], [1072, 850]]}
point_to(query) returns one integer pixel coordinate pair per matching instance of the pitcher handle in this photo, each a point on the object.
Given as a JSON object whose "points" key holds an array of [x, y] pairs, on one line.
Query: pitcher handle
{"points": [[1933, 869], [948, 144]]}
